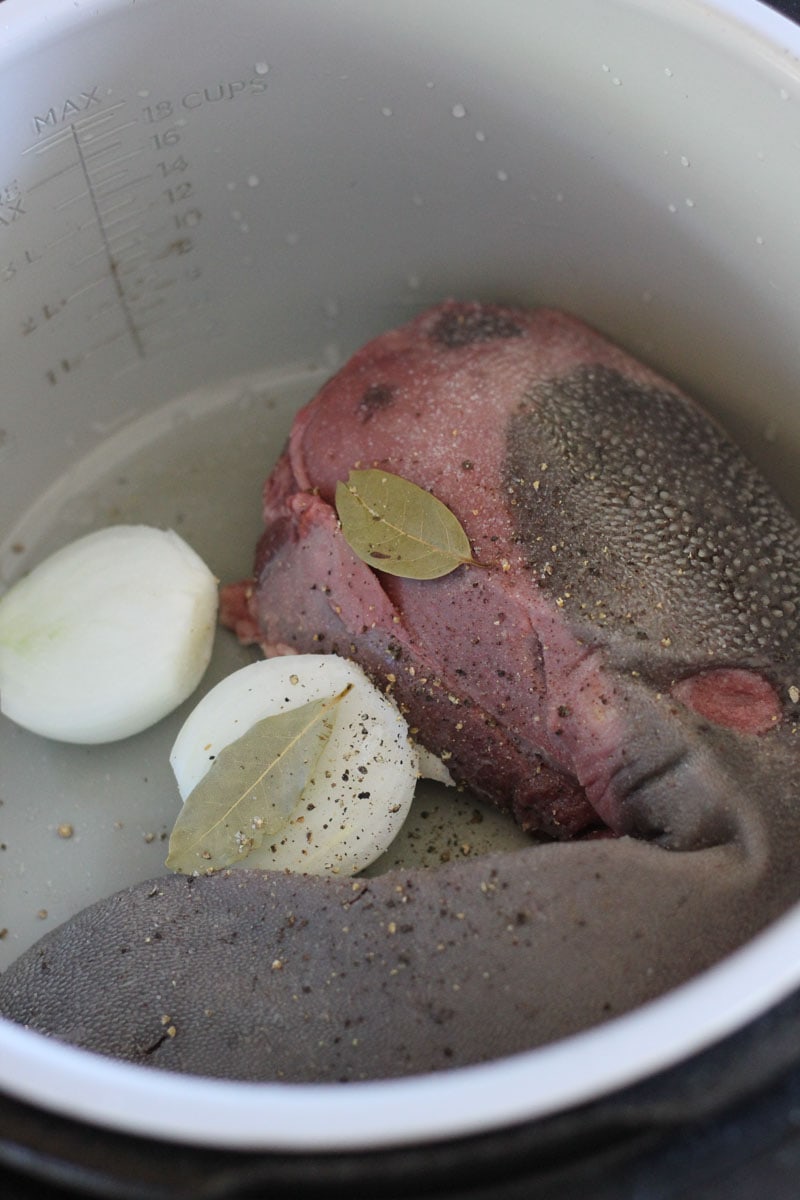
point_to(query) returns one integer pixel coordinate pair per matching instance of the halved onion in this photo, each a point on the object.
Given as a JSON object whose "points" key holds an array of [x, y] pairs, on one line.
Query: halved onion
{"points": [[363, 782], [107, 635]]}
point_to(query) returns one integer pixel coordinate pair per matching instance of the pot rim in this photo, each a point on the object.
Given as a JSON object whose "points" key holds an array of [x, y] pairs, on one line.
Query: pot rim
{"points": [[448, 1104]]}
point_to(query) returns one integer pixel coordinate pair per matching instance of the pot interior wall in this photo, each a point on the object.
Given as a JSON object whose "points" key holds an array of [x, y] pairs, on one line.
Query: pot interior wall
{"points": [[190, 194]]}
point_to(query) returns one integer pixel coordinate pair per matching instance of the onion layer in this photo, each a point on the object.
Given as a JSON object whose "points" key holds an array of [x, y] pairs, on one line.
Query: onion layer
{"points": [[106, 636]]}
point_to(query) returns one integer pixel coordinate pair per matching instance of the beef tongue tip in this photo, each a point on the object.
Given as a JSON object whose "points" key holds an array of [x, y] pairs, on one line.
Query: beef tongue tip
{"points": [[634, 611]]}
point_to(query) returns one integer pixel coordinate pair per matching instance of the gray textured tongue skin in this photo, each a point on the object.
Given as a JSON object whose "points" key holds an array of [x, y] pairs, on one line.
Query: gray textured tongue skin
{"points": [[625, 657]]}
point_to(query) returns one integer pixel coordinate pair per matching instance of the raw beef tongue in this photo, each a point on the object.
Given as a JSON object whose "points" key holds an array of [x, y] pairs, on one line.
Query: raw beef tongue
{"points": [[625, 658], [633, 619]]}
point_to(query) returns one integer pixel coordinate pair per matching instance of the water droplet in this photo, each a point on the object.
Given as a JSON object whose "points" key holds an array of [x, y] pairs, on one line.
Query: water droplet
{"points": [[606, 68], [647, 297], [668, 72], [292, 239], [458, 110], [143, 93], [759, 240], [684, 161], [235, 214], [430, 84], [330, 307], [502, 176], [560, 197], [480, 136], [261, 68], [231, 185], [413, 282], [387, 112], [253, 181], [617, 82], [673, 208], [784, 94], [689, 202], [244, 227]]}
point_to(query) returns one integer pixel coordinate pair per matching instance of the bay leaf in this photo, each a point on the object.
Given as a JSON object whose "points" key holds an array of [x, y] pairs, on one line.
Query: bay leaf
{"points": [[252, 788], [398, 527]]}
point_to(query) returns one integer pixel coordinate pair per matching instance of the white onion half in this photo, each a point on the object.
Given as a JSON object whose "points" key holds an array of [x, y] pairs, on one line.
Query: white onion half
{"points": [[364, 780], [107, 635]]}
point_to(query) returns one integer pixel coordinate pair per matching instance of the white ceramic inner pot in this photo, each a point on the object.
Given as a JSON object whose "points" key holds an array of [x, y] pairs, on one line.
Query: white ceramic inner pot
{"points": [[204, 208]]}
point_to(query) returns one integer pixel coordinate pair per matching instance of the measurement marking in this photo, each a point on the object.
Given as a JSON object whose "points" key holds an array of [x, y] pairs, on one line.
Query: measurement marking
{"points": [[130, 273], [89, 223], [128, 231], [96, 149], [139, 213], [49, 178], [129, 262], [98, 183], [152, 233], [78, 262], [72, 200], [134, 249], [49, 143], [114, 337], [98, 118], [109, 224], [87, 287], [88, 257], [122, 371], [115, 238], [102, 150], [130, 183], [134, 245], [123, 249], [136, 212], [120, 159], [120, 204], [158, 302], [65, 237], [126, 272], [112, 264]]}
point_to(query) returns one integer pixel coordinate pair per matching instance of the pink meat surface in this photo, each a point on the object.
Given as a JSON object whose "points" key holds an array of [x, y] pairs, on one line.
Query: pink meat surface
{"points": [[625, 587]]}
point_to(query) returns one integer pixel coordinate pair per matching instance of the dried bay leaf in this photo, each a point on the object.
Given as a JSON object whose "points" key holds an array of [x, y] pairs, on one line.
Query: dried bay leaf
{"points": [[252, 788], [398, 527]]}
